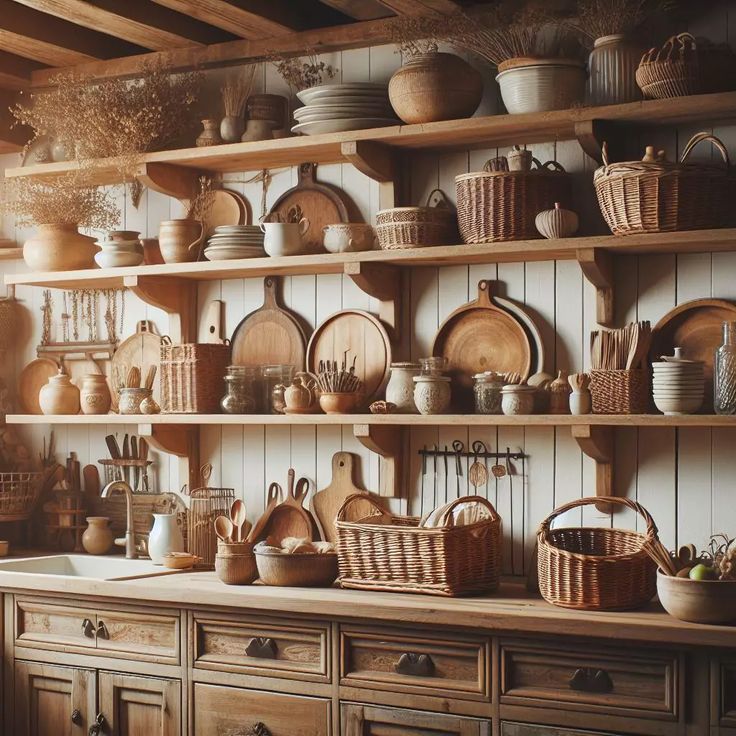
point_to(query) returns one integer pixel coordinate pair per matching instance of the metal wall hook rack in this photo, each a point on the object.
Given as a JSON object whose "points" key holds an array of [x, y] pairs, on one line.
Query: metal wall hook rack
{"points": [[478, 450]]}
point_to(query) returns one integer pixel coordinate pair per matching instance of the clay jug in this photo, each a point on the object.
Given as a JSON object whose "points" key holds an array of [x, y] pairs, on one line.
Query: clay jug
{"points": [[97, 538], [180, 241], [59, 248]]}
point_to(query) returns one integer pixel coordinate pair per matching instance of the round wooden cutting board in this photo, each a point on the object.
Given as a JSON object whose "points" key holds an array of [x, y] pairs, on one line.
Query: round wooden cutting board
{"points": [[143, 349], [477, 337]]}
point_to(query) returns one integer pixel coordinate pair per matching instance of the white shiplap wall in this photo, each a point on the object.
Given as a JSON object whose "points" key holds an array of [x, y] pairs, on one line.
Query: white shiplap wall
{"points": [[684, 478]]}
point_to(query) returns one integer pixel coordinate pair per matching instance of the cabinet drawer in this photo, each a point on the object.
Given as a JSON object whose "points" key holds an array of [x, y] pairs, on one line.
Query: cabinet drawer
{"points": [[723, 692], [391, 660], [529, 729], [227, 711], [153, 637], [617, 682], [264, 648], [47, 623], [367, 720]]}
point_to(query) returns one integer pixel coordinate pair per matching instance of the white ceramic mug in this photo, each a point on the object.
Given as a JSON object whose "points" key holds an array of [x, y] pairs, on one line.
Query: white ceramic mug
{"points": [[348, 237], [284, 238]]}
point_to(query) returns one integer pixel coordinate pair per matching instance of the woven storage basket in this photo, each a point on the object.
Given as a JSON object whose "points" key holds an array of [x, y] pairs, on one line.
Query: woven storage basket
{"points": [[620, 392], [686, 66], [661, 196], [501, 205], [595, 569], [192, 377], [386, 552], [19, 494], [412, 227]]}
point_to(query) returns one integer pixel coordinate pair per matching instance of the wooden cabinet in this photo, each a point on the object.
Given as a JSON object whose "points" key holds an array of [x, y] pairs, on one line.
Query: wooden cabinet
{"points": [[366, 720], [723, 692], [529, 729], [53, 701]]}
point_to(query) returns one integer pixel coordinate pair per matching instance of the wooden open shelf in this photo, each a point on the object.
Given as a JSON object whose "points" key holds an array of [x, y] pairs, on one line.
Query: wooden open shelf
{"points": [[10, 253]]}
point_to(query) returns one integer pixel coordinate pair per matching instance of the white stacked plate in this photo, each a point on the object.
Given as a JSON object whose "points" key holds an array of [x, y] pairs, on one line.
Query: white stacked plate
{"points": [[231, 242], [334, 108], [678, 384]]}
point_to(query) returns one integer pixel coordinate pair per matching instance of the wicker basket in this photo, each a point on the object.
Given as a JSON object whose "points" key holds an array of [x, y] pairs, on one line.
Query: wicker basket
{"points": [[620, 392], [414, 227], [386, 552], [19, 494], [494, 206], [686, 66], [595, 569], [661, 196], [192, 377]]}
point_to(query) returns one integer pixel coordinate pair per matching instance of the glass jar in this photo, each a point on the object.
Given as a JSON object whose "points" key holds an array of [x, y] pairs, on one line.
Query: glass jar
{"points": [[240, 397], [273, 380], [724, 372], [435, 365], [487, 392]]}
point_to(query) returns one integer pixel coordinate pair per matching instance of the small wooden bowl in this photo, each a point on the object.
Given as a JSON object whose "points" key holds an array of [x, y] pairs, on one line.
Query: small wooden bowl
{"points": [[180, 560], [342, 403], [698, 601], [307, 570], [236, 569]]}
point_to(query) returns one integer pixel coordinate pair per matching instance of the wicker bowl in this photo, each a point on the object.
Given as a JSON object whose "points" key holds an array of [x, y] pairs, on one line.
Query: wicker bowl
{"points": [[698, 601], [235, 564], [298, 570]]}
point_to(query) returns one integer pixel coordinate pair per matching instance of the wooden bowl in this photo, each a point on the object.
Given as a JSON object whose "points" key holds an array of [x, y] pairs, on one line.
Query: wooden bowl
{"points": [[313, 570], [698, 601], [180, 560], [236, 569], [334, 403]]}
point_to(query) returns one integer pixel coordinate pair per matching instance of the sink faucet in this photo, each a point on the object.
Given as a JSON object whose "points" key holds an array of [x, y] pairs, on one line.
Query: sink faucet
{"points": [[119, 485]]}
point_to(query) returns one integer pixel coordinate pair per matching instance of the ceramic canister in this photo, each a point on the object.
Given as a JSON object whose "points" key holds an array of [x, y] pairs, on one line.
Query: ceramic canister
{"points": [[400, 387], [432, 394], [517, 399], [95, 394]]}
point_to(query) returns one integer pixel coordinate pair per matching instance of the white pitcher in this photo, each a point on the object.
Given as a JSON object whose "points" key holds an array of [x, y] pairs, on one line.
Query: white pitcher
{"points": [[165, 537], [284, 238]]}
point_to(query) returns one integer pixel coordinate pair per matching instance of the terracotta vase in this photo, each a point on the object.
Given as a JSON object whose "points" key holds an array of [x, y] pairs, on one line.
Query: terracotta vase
{"points": [[210, 136], [59, 248], [59, 395], [180, 240], [98, 537], [435, 86], [94, 395]]}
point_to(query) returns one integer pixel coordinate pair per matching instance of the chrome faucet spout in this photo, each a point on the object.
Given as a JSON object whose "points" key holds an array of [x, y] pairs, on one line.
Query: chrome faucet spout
{"points": [[122, 487]]}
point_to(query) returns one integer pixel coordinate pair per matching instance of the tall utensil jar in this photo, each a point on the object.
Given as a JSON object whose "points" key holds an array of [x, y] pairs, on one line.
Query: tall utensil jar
{"points": [[612, 68], [724, 372], [400, 387]]}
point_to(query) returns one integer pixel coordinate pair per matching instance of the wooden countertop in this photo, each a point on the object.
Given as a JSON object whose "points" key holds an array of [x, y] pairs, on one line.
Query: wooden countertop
{"points": [[512, 610]]}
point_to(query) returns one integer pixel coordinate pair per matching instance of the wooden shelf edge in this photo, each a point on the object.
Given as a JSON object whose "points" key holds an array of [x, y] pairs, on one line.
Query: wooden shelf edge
{"points": [[10, 253]]}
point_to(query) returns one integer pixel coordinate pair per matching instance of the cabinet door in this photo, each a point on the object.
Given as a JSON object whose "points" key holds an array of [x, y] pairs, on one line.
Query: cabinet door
{"points": [[529, 729], [365, 720], [53, 701], [133, 706]]}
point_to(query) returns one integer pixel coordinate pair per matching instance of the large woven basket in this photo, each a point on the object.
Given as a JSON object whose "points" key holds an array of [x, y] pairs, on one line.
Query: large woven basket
{"points": [[192, 377], [662, 196], [19, 494], [686, 66], [620, 392], [494, 206], [595, 569], [386, 552], [412, 227]]}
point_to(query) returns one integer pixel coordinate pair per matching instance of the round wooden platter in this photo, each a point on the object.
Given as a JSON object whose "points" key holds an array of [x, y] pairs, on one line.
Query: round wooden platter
{"points": [[354, 335], [31, 380], [697, 328], [269, 336], [228, 207], [477, 337], [143, 349]]}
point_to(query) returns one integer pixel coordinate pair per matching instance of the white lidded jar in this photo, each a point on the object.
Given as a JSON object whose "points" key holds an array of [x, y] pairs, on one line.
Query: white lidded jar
{"points": [[400, 387], [165, 537]]}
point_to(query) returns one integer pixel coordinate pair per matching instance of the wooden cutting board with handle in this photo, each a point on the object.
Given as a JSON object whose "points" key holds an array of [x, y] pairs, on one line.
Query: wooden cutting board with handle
{"points": [[269, 336], [289, 518], [326, 503], [143, 349]]}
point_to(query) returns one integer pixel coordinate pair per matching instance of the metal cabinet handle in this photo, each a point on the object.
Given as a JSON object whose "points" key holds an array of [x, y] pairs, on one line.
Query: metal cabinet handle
{"points": [[96, 728], [258, 729], [418, 665], [102, 632], [88, 628], [76, 716], [261, 647], [589, 680]]}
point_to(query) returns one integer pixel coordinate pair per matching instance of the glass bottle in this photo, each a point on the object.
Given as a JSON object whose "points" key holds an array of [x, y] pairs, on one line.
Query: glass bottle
{"points": [[724, 372]]}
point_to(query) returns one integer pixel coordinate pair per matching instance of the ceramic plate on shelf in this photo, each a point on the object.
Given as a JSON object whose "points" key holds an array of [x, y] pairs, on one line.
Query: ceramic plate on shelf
{"points": [[308, 96], [342, 126]]}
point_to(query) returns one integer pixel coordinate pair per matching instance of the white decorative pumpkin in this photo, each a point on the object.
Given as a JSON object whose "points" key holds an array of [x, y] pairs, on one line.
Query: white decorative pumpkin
{"points": [[557, 223]]}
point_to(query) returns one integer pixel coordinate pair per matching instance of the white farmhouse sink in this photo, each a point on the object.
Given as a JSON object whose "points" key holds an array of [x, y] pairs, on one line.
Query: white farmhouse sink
{"points": [[85, 566]]}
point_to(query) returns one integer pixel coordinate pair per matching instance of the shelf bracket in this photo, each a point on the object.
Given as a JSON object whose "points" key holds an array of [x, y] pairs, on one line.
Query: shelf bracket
{"points": [[388, 442], [177, 297], [597, 266], [378, 162], [591, 134], [181, 182], [181, 440], [382, 282], [597, 442]]}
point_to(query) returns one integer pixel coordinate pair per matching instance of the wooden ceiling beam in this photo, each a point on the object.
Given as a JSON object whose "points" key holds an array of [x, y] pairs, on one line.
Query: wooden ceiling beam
{"points": [[421, 7], [15, 71], [360, 9], [145, 24]]}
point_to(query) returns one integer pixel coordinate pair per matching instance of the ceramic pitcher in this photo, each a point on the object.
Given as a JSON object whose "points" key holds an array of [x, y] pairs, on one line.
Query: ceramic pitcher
{"points": [[284, 238], [165, 537], [180, 241]]}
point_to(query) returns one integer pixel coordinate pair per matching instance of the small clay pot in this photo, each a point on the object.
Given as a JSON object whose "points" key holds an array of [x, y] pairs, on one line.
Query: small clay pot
{"points": [[338, 403], [95, 394], [98, 537], [59, 395]]}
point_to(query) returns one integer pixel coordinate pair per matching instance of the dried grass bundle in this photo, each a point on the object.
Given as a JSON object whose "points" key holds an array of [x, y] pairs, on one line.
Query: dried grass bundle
{"points": [[300, 74], [598, 18], [420, 34], [200, 206], [236, 90]]}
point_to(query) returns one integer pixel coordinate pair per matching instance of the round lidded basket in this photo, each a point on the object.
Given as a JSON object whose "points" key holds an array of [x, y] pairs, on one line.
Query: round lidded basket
{"points": [[596, 569]]}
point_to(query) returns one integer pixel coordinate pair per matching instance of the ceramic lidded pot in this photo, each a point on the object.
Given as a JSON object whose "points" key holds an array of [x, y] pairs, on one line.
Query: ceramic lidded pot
{"points": [[98, 537], [59, 247], [517, 399], [432, 394], [59, 395], [400, 387], [94, 395]]}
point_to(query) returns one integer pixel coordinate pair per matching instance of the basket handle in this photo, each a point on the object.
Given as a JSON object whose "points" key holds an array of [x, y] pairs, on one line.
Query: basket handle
{"points": [[544, 527], [441, 201], [551, 165], [357, 497], [446, 519], [704, 136]]}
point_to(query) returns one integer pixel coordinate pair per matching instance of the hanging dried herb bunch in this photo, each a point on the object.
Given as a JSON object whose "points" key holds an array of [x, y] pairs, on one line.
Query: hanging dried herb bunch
{"points": [[236, 90], [598, 18], [200, 205], [300, 74], [68, 200], [419, 34]]}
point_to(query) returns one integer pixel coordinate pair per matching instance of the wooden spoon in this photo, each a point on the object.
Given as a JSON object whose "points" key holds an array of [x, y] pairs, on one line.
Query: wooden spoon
{"points": [[224, 529], [237, 516]]}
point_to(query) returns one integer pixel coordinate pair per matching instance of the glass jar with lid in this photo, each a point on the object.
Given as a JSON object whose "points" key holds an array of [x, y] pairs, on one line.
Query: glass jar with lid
{"points": [[274, 379], [435, 365], [240, 398], [487, 392]]}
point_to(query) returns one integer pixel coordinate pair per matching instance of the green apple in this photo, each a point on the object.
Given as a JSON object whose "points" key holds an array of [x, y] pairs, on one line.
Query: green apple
{"points": [[703, 572]]}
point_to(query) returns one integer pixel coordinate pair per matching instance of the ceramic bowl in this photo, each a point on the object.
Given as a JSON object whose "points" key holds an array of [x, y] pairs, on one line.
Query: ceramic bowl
{"points": [[340, 403], [542, 85], [311, 569], [116, 236], [698, 601], [673, 406], [348, 237], [118, 259]]}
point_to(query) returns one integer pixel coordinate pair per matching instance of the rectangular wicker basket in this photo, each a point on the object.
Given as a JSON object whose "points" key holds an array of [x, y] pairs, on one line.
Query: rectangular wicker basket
{"points": [[192, 377], [620, 392], [393, 553]]}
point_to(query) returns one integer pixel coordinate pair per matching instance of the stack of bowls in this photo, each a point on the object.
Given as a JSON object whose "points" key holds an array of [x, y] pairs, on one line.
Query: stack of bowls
{"points": [[333, 108], [230, 242], [678, 384], [119, 248]]}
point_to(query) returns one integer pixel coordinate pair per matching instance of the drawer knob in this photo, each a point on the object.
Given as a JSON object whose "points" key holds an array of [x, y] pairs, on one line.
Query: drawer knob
{"points": [[418, 665], [88, 628], [589, 680], [261, 647], [102, 632], [96, 728], [76, 716], [258, 729]]}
